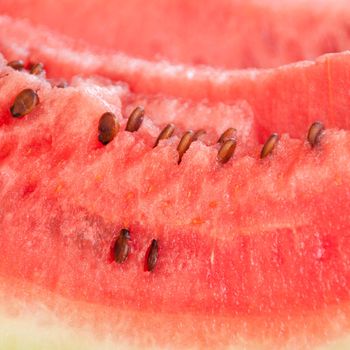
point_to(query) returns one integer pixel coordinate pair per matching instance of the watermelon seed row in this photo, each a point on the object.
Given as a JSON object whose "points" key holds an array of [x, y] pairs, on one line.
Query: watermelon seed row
{"points": [[36, 69], [121, 250], [108, 128]]}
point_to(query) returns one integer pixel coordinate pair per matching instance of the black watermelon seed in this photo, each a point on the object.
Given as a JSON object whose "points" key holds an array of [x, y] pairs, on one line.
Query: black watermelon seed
{"points": [[121, 246], [16, 64], [184, 144], [166, 133], [108, 128], [227, 134], [24, 103], [226, 150], [315, 133], [37, 69], [152, 256], [135, 119], [269, 145]]}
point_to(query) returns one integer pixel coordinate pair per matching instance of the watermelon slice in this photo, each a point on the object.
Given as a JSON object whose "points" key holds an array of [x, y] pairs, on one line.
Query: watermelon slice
{"points": [[193, 243], [233, 267]]}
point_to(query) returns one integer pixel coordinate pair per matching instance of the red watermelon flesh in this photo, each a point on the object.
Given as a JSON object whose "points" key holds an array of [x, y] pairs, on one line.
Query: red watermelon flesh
{"points": [[290, 292], [286, 99], [226, 33], [234, 268]]}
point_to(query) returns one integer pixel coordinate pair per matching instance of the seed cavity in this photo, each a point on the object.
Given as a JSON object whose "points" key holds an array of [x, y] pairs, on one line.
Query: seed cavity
{"points": [[121, 247], [227, 134], [198, 134], [135, 119], [24, 103], [59, 83], [227, 150], [62, 84], [16, 64], [166, 133], [108, 128], [184, 144], [269, 145], [37, 69], [315, 133], [152, 255]]}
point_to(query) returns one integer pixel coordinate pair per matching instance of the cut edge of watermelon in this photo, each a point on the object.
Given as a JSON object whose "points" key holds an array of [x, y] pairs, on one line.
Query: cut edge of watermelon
{"points": [[34, 318]]}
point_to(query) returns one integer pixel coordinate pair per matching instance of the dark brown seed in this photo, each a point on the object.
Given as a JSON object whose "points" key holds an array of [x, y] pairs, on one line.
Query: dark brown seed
{"points": [[37, 69], [166, 133], [16, 64], [24, 103], [226, 150], [135, 120], [269, 145], [315, 133], [198, 134], [152, 255], [108, 127], [121, 246], [226, 135], [184, 144]]}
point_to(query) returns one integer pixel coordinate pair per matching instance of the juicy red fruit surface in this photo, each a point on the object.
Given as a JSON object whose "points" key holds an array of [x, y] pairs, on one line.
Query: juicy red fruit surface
{"points": [[249, 251], [220, 252]]}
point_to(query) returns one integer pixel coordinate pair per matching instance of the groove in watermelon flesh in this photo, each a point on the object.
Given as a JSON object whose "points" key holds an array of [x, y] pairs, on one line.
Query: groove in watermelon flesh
{"points": [[234, 267], [226, 33]]}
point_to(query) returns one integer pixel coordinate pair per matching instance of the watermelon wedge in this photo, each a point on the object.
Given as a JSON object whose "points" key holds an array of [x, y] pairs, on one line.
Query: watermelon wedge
{"points": [[232, 270], [168, 205]]}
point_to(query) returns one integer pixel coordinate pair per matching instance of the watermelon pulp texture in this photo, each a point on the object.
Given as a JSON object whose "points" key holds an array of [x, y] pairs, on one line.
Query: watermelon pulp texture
{"points": [[66, 251], [229, 34], [234, 268]]}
